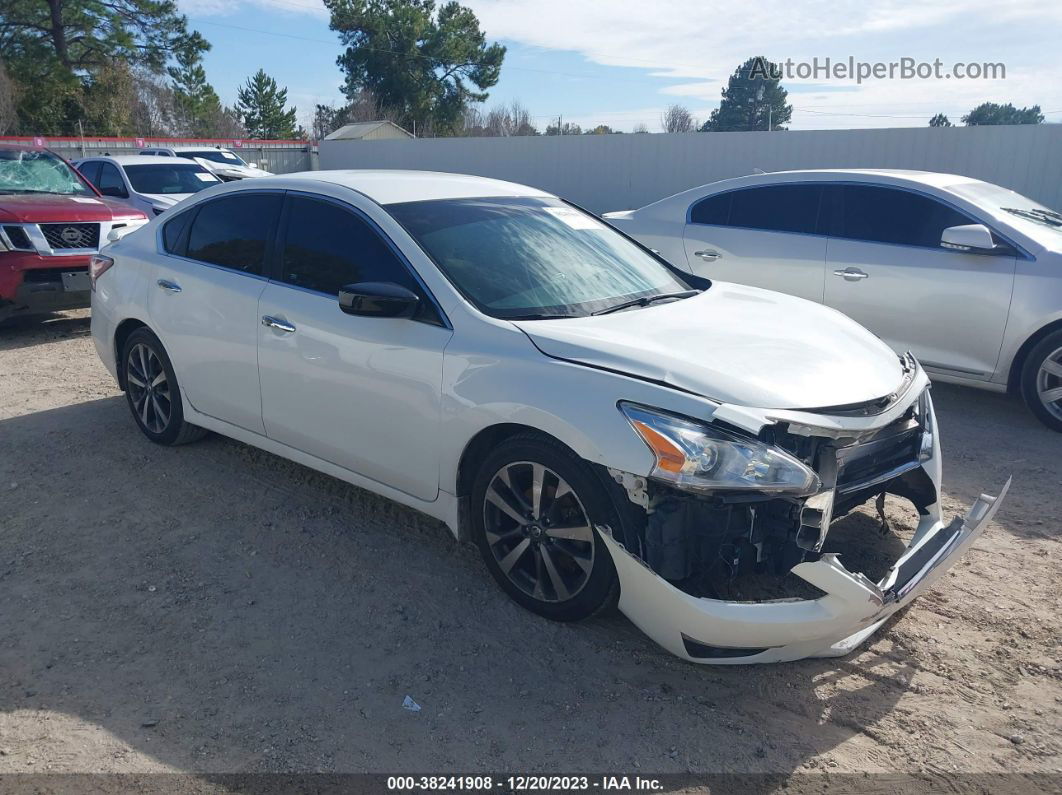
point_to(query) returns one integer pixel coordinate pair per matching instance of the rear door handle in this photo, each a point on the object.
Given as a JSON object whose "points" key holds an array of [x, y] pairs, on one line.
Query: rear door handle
{"points": [[168, 286], [851, 274], [280, 325], [707, 256]]}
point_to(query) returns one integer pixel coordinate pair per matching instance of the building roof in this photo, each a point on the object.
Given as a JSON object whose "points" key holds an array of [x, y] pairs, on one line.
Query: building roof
{"points": [[391, 187], [363, 129]]}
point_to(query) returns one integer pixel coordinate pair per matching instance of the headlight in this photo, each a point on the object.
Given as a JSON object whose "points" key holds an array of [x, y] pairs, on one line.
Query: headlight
{"points": [[700, 457], [924, 408]]}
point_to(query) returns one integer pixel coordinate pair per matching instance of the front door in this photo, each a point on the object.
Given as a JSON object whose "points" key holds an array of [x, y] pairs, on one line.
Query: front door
{"points": [[360, 392], [886, 270]]}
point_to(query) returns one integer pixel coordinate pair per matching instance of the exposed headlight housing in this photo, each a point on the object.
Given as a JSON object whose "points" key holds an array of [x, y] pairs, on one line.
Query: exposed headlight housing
{"points": [[924, 409], [699, 457]]}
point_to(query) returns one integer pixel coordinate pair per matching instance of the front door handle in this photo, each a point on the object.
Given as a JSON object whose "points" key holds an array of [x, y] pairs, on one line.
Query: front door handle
{"points": [[168, 286], [851, 274], [707, 255], [275, 322]]}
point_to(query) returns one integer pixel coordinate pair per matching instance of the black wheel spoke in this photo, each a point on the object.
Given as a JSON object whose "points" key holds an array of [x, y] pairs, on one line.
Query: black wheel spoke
{"points": [[538, 531], [149, 389]]}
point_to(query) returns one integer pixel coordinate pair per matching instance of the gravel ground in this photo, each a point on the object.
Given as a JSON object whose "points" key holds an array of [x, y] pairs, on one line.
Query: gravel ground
{"points": [[213, 608]]}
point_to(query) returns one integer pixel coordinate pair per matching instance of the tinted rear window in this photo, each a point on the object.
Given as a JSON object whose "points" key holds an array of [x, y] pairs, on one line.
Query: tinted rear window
{"points": [[234, 231]]}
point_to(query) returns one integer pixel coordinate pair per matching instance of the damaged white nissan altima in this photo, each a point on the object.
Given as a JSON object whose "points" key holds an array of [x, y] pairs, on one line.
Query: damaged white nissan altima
{"points": [[605, 428]]}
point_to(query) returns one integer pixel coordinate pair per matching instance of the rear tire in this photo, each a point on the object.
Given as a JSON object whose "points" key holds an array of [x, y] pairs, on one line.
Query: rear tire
{"points": [[1041, 380], [535, 507], [152, 391]]}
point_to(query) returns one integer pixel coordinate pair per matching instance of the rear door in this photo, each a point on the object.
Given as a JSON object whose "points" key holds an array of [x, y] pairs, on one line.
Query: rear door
{"points": [[363, 393], [886, 270], [766, 236], [203, 301]]}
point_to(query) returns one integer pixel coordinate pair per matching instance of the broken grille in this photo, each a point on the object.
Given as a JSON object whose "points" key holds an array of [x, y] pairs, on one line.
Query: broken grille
{"points": [[71, 235]]}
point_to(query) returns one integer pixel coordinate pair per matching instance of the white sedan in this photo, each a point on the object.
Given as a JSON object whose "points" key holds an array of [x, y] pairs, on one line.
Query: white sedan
{"points": [[966, 274], [605, 428], [147, 183]]}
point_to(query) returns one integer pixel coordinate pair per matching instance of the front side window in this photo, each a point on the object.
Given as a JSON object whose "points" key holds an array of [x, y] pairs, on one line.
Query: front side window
{"points": [[169, 177], [772, 208], [327, 247], [887, 215], [533, 257], [234, 231], [37, 171], [111, 183]]}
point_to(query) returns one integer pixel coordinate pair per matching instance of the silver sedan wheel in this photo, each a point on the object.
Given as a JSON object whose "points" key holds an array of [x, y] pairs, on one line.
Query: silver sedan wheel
{"points": [[148, 388], [1049, 383], [538, 531]]}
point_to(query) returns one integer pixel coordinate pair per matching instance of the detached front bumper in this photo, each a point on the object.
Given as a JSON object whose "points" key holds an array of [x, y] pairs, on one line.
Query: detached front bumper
{"points": [[722, 632]]}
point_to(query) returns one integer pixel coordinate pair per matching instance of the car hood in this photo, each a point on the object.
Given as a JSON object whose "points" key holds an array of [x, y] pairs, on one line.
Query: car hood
{"points": [[241, 172], [733, 344], [53, 207], [165, 199]]}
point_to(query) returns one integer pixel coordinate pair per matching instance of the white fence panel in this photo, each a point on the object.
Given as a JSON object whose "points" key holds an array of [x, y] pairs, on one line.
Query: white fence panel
{"points": [[616, 172]]}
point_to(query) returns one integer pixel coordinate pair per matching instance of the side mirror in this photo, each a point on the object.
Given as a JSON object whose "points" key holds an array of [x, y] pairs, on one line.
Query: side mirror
{"points": [[378, 299], [115, 192], [971, 238]]}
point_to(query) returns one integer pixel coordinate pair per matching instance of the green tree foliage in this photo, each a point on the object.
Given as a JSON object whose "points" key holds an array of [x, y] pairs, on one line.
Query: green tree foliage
{"points": [[56, 51], [602, 129], [196, 103], [752, 100], [991, 113], [424, 67], [566, 128], [940, 120], [260, 107]]}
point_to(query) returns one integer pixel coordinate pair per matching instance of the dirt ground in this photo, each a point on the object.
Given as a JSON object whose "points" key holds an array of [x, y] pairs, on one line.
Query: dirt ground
{"points": [[213, 608]]}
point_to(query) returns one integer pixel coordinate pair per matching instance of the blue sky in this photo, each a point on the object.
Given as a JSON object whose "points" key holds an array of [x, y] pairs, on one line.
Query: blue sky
{"points": [[621, 62]]}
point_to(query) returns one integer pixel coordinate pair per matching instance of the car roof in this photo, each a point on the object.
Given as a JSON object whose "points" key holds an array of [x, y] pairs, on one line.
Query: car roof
{"points": [[133, 160], [394, 186], [187, 148]]}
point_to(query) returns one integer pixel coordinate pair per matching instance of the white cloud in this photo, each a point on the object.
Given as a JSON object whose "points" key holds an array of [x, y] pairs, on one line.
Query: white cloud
{"points": [[701, 45], [698, 44]]}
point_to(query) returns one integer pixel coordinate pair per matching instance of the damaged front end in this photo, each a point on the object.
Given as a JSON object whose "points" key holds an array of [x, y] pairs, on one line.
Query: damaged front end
{"points": [[729, 566]]}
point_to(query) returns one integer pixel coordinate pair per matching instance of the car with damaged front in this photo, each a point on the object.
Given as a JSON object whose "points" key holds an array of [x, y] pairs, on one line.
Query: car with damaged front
{"points": [[605, 428]]}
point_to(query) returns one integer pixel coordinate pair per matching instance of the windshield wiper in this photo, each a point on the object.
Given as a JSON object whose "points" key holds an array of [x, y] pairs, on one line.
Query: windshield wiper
{"points": [[645, 300], [1049, 217], [538, 316]]}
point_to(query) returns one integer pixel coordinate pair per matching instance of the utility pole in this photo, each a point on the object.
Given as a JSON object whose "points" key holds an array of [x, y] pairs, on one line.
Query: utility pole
{"points": [[560, 125], [769, 112], [81, 132]]}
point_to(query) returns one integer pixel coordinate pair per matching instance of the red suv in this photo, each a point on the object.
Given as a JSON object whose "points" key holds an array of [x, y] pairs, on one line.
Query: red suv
{"points": [[51, 223]]}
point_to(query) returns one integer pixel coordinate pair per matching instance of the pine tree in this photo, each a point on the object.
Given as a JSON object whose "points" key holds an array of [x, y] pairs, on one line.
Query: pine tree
{"points": [[197, 104], [260, 106], [752, 100]]}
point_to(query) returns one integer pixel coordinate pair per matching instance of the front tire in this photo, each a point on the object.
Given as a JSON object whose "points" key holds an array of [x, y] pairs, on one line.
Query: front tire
{"points": [[1041, 380], [152, 391], [535, 505]]}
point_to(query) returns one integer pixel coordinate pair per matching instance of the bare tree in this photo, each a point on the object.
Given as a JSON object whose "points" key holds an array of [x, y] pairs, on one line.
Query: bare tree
{"points": [[7, 101], [677, 119], [509, 120], [640, 128]]}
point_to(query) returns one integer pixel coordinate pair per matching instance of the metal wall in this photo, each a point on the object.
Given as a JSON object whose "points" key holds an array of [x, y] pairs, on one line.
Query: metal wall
{"points": [[279, 159], [618, 172]]}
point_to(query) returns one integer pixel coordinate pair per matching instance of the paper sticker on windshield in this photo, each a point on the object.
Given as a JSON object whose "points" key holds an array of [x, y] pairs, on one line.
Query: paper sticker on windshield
{"points": [[204, 177], [87, 201], [573, 218]]}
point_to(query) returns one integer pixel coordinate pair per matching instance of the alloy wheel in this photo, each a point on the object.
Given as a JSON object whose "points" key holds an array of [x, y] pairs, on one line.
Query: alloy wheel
{"points": [[149, 390], [538, 531], [1049, 383]]}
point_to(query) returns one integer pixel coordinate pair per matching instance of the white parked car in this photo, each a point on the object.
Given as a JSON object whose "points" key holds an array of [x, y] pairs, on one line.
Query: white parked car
{"points": [[147, 183], [603, 427], [965, 274], [224, 162]]}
